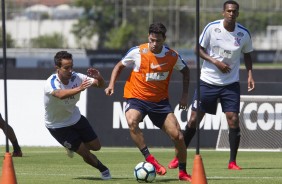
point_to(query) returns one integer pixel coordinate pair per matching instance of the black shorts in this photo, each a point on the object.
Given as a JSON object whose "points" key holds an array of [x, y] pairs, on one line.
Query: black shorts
{"points": [[72, 136], [210, 95], [157, 111]]}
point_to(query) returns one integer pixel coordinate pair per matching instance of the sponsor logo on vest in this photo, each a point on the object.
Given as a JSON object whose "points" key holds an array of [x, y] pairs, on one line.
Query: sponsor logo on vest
{"points": [[156, 66]]}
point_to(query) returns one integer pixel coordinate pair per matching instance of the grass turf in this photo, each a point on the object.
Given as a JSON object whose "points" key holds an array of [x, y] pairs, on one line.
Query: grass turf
{"points": [[43, 165]]}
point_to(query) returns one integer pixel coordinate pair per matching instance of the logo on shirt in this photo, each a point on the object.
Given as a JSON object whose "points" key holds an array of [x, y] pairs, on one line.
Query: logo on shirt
{"points": [[73, 78], [240, 34], [144, 51], [173, 54], [217, 30], [156, 66], [157, 76], [237, 41]]}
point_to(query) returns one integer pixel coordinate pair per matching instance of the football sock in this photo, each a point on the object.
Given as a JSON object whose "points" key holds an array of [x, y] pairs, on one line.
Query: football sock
{"points": [[234, 141], [101, 166], [188, 135], [182, 166], [145, 152], [16, 146]]}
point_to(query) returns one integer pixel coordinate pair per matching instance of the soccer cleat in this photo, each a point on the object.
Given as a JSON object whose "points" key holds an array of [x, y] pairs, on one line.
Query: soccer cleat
{"points": [[17, 154], [69, 153], [233, 166], [106, 175], [160, 170], [173, 164], [183, 176]]}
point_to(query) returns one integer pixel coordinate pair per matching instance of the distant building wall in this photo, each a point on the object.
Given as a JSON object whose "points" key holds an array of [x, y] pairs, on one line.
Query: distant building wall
{"points": [[42, 58], [22, 30]]}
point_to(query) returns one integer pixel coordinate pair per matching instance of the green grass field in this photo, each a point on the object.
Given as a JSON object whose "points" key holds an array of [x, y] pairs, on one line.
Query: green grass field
{"points": [[44, 165], [267, 65], [264, 65]]}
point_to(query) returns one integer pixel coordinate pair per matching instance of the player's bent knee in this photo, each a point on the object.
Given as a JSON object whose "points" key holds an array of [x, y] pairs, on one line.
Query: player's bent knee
{"points": [[133, 126], [94, 145], [97, 148], [177, 137]]}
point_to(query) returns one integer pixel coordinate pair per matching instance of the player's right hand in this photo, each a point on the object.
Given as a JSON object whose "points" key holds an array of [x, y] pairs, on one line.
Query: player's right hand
{"points": [[109, 91], [223, 67], [85, 84]]}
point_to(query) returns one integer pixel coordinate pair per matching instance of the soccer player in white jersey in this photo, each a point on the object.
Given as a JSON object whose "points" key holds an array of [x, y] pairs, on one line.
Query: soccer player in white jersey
{"points": [[63, 118], [221, 45]]}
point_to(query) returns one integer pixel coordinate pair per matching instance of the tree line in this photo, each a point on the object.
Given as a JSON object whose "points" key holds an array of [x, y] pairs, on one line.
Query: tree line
{"points": [[121, 26]]}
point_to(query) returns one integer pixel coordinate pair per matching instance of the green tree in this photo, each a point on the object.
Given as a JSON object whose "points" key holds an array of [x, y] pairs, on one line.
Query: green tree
{"points": [[49, 41], [108, 20], [10, 43], [98, 18], [119, 38]]}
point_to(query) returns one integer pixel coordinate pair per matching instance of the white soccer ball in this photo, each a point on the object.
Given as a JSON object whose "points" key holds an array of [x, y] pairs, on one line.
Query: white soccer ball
{"points": [[144, 172]]}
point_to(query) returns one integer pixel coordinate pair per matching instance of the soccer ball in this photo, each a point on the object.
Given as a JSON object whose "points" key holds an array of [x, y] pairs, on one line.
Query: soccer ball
{"points": [[144, 172]]}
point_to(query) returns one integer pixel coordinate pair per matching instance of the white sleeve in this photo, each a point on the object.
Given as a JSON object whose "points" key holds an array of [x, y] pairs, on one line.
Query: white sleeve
{"points": [[180, 63], [205, 37], [51, 85], [84, 77], [248, 47], [131, 57]]}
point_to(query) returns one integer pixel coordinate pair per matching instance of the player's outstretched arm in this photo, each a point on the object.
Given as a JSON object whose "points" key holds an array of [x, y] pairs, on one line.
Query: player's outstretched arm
{"points": [[66, 93], [115, 74]]}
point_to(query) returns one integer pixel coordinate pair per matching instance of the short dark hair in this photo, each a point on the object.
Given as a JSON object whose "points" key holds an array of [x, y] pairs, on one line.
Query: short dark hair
{"points": [[231, 2], [61, 55], [157, 28]]}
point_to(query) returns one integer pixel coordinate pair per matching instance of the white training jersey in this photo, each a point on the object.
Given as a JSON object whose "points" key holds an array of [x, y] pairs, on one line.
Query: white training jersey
{"points": [[133, 59], [62, 112], [226, 47]]}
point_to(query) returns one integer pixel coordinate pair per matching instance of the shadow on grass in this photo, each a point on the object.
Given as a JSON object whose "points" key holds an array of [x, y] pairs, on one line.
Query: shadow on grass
{"points": [[97, 178], [164, 180]]}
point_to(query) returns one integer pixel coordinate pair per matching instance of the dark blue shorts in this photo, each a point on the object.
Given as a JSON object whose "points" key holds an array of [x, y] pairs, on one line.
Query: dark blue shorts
{"points": [[157, 111], [72, 136], [210, 95]]}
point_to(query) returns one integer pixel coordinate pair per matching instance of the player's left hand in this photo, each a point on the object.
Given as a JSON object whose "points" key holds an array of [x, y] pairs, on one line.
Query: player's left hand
{"points": [[93, 72], [251, 84]]}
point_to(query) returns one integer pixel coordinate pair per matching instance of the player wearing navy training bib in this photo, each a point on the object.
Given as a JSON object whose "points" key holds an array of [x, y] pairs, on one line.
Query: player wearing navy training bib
{"points": [[63, 118], [221, 44]]}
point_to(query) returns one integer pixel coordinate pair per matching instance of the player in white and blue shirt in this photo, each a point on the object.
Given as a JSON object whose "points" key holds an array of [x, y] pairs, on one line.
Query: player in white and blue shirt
{"points": [[62, 112], [63, 118], [225, 47], [221, 44]]}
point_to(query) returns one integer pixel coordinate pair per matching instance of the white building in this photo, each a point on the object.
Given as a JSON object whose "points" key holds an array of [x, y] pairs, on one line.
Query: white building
{"points": [[39, 20], [23, 30]]}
